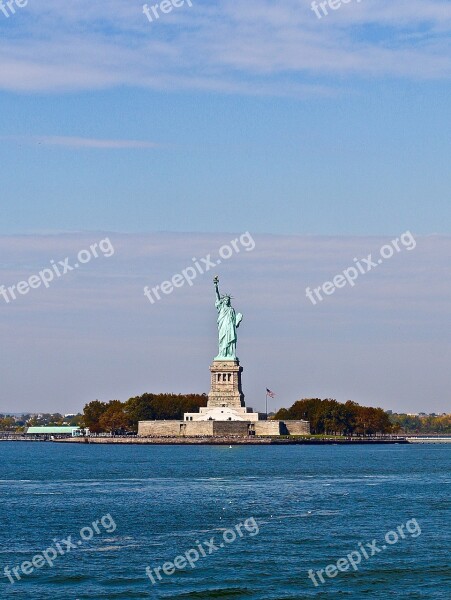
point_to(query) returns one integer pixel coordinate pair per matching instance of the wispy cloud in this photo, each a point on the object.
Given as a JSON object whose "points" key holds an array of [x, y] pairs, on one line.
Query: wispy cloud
{"points": [[271, 46], [81, 142]]}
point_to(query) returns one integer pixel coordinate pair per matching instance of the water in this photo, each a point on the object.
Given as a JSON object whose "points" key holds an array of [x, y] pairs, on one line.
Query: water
{"points": [[312, 506]]}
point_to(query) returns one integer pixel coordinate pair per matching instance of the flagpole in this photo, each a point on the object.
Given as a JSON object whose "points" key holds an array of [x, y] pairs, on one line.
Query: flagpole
{"points": [[266, 405]]}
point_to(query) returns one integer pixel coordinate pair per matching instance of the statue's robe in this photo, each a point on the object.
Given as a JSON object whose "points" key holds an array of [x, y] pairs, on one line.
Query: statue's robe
{"points": [[228, 321]]}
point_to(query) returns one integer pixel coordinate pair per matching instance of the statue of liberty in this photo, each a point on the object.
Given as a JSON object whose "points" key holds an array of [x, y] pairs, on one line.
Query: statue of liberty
{"points": [[228, 322]]}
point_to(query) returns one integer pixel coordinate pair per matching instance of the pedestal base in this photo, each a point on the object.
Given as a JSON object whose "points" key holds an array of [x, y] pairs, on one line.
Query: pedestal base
{"points": [[224, 414], [226, 398], [226, 390]]}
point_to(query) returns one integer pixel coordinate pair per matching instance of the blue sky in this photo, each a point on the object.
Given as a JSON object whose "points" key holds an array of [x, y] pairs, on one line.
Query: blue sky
{"points": [[298, 125], [372, 164], [225, 117]]}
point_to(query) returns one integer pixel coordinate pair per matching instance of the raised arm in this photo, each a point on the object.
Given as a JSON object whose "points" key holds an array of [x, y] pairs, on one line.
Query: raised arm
{"points": [[216, 282]]}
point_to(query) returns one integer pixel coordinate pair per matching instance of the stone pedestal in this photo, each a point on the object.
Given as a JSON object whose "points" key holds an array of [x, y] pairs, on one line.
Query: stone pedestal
{"points": [[225, 389], [226, 398]]}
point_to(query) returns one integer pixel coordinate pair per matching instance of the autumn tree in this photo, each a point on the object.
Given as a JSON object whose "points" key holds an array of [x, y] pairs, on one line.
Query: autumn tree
{"points": [[92, 413], [330, 417], [114, 418]]}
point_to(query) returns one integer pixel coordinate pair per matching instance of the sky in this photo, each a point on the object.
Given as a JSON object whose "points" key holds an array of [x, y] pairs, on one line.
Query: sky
{"points": [[325, 138]]}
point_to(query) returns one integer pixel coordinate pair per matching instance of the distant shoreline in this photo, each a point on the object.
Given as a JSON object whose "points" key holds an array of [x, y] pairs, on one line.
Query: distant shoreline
{"points": [[236, 441], [219, 441]]}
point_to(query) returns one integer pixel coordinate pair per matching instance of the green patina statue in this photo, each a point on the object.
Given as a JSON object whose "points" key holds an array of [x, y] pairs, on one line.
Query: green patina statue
{"points": [[228, 322]]}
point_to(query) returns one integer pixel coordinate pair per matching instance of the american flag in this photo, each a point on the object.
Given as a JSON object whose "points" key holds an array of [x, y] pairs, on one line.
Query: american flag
{"points": [[270, 394]]}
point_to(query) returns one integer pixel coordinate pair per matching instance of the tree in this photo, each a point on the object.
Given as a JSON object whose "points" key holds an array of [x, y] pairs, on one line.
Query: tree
{"points": [[114, 418], [150, 407], [115, 415], [425, 424], [92, 413], [140, 408], [7, 423], [75, 420], [332, 417]]}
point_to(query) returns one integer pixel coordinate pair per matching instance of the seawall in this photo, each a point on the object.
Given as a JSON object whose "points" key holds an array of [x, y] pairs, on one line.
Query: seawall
{"points": [[222, 441]]}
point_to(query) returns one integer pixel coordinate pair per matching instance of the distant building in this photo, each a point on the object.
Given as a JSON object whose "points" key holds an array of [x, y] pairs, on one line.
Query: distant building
{"points": [[60, 431]]}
